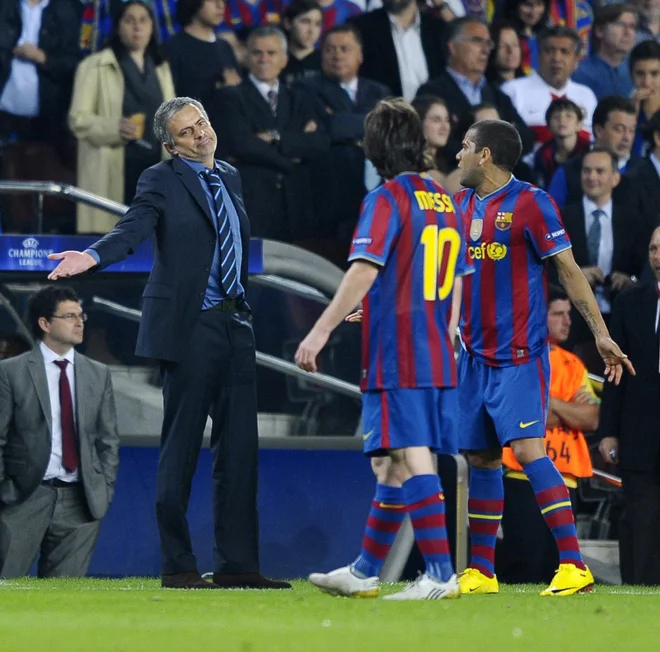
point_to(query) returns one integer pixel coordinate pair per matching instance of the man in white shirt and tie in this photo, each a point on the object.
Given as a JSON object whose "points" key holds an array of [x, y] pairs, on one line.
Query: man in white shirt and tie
{"points": [[605, 237], [58, 445]]}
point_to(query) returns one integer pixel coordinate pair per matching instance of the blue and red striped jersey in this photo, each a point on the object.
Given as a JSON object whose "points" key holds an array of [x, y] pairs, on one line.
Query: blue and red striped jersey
{"points": [[240, 14], [510, 234], [409, 227], [338, 13]]}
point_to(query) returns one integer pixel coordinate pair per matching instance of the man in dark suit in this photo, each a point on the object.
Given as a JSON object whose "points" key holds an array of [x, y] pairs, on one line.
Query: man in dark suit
{"points": [[605, 236], [58, 445], [648, 172], [463, 85], [342, 100], [38, 59], [271, 133], [403, 47], [196, 322], [630, 415]]}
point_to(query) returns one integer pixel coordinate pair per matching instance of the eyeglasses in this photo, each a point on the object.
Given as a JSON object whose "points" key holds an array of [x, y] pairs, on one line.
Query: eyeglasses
{"points": [[72, 316], [478, 40]]}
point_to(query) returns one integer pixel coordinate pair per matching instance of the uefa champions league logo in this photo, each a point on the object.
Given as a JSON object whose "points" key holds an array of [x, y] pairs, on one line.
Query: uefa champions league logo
{"points": [[29, 254]]}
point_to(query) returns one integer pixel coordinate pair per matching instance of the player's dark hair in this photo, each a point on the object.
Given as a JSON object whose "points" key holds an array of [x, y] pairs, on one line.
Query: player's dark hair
{"points": [[560, 31], [345, 28], [611, 103], [563, 104], [556, 293], [644, 51], [44, 304], [501, 138], [394, 138], [603, 150]]}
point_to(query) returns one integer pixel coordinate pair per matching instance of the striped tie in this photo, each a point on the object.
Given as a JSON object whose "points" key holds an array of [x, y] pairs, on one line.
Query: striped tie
{"points": [[228, 274]]}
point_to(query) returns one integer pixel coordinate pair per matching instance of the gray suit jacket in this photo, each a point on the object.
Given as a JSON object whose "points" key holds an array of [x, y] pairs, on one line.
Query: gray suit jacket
{"points": [[25, 429]]}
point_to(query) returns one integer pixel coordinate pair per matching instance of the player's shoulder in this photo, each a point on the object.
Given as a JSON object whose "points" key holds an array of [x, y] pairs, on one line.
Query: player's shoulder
{"points": [[528, 192], [462, 197]]}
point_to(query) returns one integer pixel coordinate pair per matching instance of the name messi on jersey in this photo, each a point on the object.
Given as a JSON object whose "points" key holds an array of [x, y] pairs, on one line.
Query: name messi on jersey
{"points": [[435, 201]]}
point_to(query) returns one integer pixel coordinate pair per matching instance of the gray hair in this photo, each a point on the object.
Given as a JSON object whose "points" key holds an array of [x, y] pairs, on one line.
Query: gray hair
{"points": [[166, 111], [266, 31]]}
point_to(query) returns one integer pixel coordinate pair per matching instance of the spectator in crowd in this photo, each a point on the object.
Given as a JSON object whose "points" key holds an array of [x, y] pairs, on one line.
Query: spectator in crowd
{"points": [[302, 20], [58, 445], [629, 425], [342, 99], [403, 47], [446, 10], [12, 344], [437, 130], [606, 70], [463, 83], [528, 550], [529, 17], [645, 73], [199, 60], [116, 94], [605, 236], [614, 130], [576, 15], [241, 16], [531, 96], [337, 12], [272, 133], [648, 172], [505, 61], [38, 57], [649, 20], [564, 120]]}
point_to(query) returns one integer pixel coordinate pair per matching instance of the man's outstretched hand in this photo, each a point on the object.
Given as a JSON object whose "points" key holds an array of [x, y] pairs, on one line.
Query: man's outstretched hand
{"points": [[615, 360], [72, 263]]}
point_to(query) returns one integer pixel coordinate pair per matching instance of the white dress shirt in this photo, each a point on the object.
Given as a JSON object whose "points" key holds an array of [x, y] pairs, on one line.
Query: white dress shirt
{"points": [[20, 95], [351, 88], [55, 467], [606, 248], [410, 55], [263, 87]]}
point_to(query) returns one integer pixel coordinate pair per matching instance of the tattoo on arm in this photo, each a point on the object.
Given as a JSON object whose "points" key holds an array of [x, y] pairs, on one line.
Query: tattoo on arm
{"points": [[585, 310]]}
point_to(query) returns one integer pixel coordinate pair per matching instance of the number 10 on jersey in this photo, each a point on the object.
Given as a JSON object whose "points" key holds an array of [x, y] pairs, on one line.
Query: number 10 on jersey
{"points": [[441, 249]]}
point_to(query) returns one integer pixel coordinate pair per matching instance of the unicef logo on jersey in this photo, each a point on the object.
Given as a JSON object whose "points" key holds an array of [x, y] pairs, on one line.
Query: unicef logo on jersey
{"points": [[30, 254], [493, 250]]}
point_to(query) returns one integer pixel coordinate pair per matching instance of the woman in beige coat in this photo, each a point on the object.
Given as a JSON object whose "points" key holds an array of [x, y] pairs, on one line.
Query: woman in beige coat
{"points": [[116, 94]]}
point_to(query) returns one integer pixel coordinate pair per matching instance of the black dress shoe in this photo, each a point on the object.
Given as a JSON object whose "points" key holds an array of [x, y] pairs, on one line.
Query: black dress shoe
{"points": [[191, 580], [247, 581]]}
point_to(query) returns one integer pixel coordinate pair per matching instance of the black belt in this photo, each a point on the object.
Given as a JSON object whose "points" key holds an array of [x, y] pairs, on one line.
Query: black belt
{"points": [[228, 305], [60, 484]]}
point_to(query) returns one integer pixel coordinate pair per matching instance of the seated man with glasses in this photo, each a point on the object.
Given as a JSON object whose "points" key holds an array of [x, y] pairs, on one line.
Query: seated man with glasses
{"points": [[58, 445], [463, 84]]}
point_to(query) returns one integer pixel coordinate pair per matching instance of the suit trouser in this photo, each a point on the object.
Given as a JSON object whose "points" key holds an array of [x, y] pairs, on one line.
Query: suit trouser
{"points": [[53, 523], [640, 528], [216, 376]]}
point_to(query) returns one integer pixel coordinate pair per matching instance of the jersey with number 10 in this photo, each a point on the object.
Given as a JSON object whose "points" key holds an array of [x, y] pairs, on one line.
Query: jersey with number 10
{"points": [[409, 227], [510, 234]]}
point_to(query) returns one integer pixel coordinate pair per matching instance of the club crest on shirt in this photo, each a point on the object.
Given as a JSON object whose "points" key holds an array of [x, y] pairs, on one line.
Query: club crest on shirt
{"points": [[476, 227], [503, 220]]}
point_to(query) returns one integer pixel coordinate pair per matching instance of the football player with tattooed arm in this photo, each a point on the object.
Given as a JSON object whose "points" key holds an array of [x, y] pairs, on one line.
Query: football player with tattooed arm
{"points": [[512, 228]]}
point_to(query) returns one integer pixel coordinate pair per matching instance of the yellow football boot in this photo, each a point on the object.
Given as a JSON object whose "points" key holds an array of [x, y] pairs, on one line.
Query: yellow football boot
{"points": [[570, 579], [474, 582]]}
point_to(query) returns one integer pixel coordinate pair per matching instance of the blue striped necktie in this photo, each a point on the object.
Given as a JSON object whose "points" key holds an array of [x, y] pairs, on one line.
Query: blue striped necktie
{"points": [[228, 273]]}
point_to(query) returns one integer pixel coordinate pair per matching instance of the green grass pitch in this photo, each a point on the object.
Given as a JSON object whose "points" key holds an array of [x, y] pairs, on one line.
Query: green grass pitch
{"points": [[135, 614]]}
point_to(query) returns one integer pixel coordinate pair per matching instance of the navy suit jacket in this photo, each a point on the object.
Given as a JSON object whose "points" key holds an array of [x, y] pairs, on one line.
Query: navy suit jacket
{"points": [[170, 206]]}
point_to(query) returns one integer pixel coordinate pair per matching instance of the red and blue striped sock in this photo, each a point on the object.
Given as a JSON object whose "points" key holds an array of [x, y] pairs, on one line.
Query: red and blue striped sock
{"points": [[555, 504], [426, 507], [387, 512], [485, 507]]}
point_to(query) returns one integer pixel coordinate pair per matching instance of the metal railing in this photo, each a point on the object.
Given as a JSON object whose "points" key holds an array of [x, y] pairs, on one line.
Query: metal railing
{"points": [[65, 190]]}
